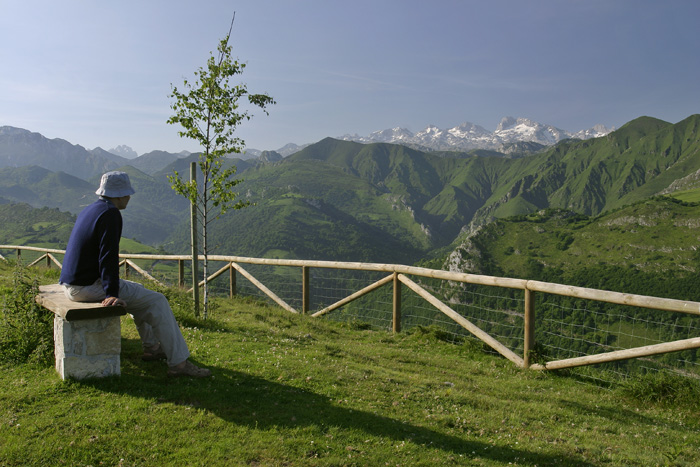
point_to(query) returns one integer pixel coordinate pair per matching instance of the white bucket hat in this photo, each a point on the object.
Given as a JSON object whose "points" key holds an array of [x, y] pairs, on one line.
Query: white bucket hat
{"points": [[115, 185]]}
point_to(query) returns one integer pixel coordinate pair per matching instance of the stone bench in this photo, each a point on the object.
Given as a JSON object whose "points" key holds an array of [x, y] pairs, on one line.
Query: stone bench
{"points": [[87, 335]]}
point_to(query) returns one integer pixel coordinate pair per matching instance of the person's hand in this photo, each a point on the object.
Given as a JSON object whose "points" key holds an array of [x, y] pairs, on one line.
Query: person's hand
{"points": [[113, 301]]}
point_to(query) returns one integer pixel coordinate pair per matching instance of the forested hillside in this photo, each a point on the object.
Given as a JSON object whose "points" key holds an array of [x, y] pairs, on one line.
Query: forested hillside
{"points": [[340, 200], [21, 224], [649, 248], [422, 201]]}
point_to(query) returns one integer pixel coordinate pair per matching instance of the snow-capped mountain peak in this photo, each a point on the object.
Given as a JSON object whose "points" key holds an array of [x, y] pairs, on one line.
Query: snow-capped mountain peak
{"points": [[507, 123], [512, 130], [467, 136]]}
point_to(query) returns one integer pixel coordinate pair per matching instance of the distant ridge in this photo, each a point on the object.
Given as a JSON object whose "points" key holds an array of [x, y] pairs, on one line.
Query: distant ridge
{"points": [[467, 136], [382, 202], [19, 148], [124, 151]]}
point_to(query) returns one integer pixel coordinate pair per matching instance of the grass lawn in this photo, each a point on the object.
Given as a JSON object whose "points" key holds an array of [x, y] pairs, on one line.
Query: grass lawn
{"points": [[299, 391], [689, 196]]}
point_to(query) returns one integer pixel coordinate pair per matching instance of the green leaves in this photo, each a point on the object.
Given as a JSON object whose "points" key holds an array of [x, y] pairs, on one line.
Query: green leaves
{"points": [[209, 110], [26, 330]]}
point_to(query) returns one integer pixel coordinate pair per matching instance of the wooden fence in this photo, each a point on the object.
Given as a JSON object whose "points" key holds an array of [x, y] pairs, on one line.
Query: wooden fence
{"points": [[398, 276]]}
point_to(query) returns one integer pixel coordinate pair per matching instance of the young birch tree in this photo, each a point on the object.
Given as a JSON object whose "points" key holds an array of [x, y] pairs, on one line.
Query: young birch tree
{"points": [[209, 111]]}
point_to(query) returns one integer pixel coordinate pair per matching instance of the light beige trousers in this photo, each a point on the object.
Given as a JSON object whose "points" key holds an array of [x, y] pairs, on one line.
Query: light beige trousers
{"points": [[150, 310]]}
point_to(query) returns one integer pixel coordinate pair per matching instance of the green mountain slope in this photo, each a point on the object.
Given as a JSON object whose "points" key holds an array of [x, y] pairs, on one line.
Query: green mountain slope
{"points": [[295, 227], [41, 187], [423, 200], [153, 210], [21, 224], [389, 202], [377, 189], [650, 247], [24, 225], [641, 159], [150, 216]]}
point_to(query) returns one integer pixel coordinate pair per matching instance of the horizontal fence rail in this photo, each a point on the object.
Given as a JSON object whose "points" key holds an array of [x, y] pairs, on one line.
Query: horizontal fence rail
{"points": [[580, 323]]}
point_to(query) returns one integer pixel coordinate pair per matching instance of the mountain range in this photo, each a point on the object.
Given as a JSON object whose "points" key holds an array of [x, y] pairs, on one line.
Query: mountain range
{"points": [[19, 147], [469, 136], [512, 136], [379, 202], [510, 132]]}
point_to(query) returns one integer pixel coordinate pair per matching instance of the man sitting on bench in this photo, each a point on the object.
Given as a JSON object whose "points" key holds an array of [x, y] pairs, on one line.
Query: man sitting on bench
{"points": [[91, 274]]}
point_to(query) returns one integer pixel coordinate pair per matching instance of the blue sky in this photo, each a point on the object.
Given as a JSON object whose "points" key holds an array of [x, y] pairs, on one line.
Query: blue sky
{"points": [[100, 73]]}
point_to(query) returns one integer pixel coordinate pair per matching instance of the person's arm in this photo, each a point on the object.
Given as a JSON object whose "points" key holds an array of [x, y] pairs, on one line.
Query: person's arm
{"points": [[109, 228]]}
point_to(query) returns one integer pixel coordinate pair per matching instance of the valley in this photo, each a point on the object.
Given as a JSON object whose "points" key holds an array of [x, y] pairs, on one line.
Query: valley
{"points": [[380, 202]]}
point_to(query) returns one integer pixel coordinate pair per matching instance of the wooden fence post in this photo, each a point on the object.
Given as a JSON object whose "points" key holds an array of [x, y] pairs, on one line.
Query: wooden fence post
{"points": [[180, 273], [19, 256], [529, 331], [231, 280], [396, 314], [305, 289]]}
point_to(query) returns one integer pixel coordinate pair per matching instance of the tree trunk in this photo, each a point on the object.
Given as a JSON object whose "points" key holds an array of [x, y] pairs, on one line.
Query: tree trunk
{"points": [[195, 259], [205, 253]]}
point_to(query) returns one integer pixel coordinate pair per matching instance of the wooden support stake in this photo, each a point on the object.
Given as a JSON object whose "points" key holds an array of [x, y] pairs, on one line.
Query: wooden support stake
{"points": [[57, 262], [305, 289], [214, 276], [462, 321], [143, 272], [396, 306], [180, 273], [529, 330], [264, 289], [354, 296], [231, 280], [36, 261], [666, 347]]}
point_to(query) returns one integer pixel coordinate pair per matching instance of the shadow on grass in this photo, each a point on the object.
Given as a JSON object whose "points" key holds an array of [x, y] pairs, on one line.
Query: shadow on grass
{"points": [[257, 403], [618, 414]]}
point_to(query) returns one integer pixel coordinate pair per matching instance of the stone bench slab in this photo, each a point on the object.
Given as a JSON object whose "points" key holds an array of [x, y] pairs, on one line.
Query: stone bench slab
{"points": [[52, 298]]}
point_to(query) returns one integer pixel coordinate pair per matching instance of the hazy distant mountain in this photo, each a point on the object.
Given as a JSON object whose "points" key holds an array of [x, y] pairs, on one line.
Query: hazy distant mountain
{"points": [[154, 210], [470, 136], [38, 187], [20, 148], [284, 151], [124, 151], [98, 151], [154, 161], [270, 156], [291, 148]]}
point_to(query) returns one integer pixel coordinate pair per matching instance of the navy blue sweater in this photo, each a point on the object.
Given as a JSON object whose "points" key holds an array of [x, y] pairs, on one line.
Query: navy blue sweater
{"points": [[93, 248]]}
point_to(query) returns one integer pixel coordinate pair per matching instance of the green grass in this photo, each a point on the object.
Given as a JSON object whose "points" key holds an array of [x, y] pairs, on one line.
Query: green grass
{"points": [[127, 245], [293, 390], [656, 236], [630, 335], [689, 196]]}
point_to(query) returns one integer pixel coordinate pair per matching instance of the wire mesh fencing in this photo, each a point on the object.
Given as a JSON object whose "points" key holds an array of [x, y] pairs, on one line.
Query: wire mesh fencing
{"points": [[564, 327]]}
